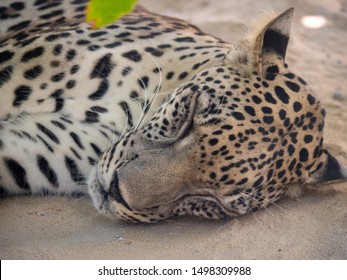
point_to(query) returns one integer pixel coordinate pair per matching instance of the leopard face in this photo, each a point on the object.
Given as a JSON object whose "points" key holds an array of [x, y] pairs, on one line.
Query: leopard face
{"points": [[233, 139]]}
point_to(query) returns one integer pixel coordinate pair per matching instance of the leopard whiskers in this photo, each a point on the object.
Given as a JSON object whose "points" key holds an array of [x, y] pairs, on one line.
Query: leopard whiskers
{"points": [[148, 103], [257, 198]]}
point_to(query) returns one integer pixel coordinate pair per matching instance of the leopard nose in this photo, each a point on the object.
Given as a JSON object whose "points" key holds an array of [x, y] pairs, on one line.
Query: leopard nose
{"points": [[115, 191]]}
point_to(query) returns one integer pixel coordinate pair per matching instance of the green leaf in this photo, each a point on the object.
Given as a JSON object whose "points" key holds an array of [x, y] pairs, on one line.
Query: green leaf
{"points": [[103, 12]]}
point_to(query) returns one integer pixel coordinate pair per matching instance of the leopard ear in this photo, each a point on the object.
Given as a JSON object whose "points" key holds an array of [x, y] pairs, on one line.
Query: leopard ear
{"points": [[271, 43]]}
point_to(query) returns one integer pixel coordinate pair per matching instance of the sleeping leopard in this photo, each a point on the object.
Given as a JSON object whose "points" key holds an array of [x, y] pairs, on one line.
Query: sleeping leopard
{"points": [[153, 118]]}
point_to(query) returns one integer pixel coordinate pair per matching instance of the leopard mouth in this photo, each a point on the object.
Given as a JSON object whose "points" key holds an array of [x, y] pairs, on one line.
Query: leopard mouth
{"points": [[208, 201], [194, 204]]}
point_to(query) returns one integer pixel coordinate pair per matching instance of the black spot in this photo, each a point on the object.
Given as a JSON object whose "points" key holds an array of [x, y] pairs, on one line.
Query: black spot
{"points": [[265, 84], [227, 127], [17, 6], [5, 75], [268, 119], [258, 182], [56, 36], [91, 117], [43, 86], [19, 26], [77, 140], [270, 77], [58, 124], [183, 75], [125, 107], [48, 133], [273, 69], [282, 95], [52, 14], [213, 141], [289, 75], [96, 149], [75, 173], [21, 94], [297, 106], [279, 163], [57, 49], [302, 81], [5, 56], [55, 63], [250, 110], [82, 42], [59, 104], [308, 139], [57, 93], [113, 45], [256, 99], [123, 34], [237, 115], [70, 54], [185, 39], [18, 173], [293, 86], [101, 90], [269, 98], [143, 82], [169, 75], [103, 67], [126, 71], [281, 174], [241, 182], [154, 52], [164, 46], [194, 88], [47, 171], [282, 113], [58, 77], [74, 69], [292, 164], [33, 72], [93, 48], [291, 150], [266, 110], [133, 55], [134, 94], [311, 99], [303, 154], [70, 84], [97, 34], [34, 53]]}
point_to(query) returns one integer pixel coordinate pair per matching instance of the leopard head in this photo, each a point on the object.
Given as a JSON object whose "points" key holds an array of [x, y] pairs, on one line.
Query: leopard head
{"points": [[233, 139]]}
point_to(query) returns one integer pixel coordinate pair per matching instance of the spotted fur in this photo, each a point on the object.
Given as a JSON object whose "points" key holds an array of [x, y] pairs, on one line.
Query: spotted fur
{"points": [[152, 117]]}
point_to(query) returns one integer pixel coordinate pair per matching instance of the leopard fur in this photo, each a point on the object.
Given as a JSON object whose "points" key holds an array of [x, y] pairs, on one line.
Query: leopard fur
{"points": [[152, 117]]}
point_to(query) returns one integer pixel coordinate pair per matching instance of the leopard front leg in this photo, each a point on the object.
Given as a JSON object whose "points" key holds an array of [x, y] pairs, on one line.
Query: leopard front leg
{"points": [[48, 153]]}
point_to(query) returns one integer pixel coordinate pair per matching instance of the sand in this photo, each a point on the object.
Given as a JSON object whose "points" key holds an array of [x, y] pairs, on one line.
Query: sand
{"points": [[312, 227]]}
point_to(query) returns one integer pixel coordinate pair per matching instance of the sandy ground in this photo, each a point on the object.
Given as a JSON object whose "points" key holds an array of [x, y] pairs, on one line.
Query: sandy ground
{"points": [[312, 227]]}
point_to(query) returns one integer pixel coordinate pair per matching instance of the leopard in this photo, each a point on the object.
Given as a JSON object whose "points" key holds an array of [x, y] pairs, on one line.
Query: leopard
{"points": [[151, 118]]}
